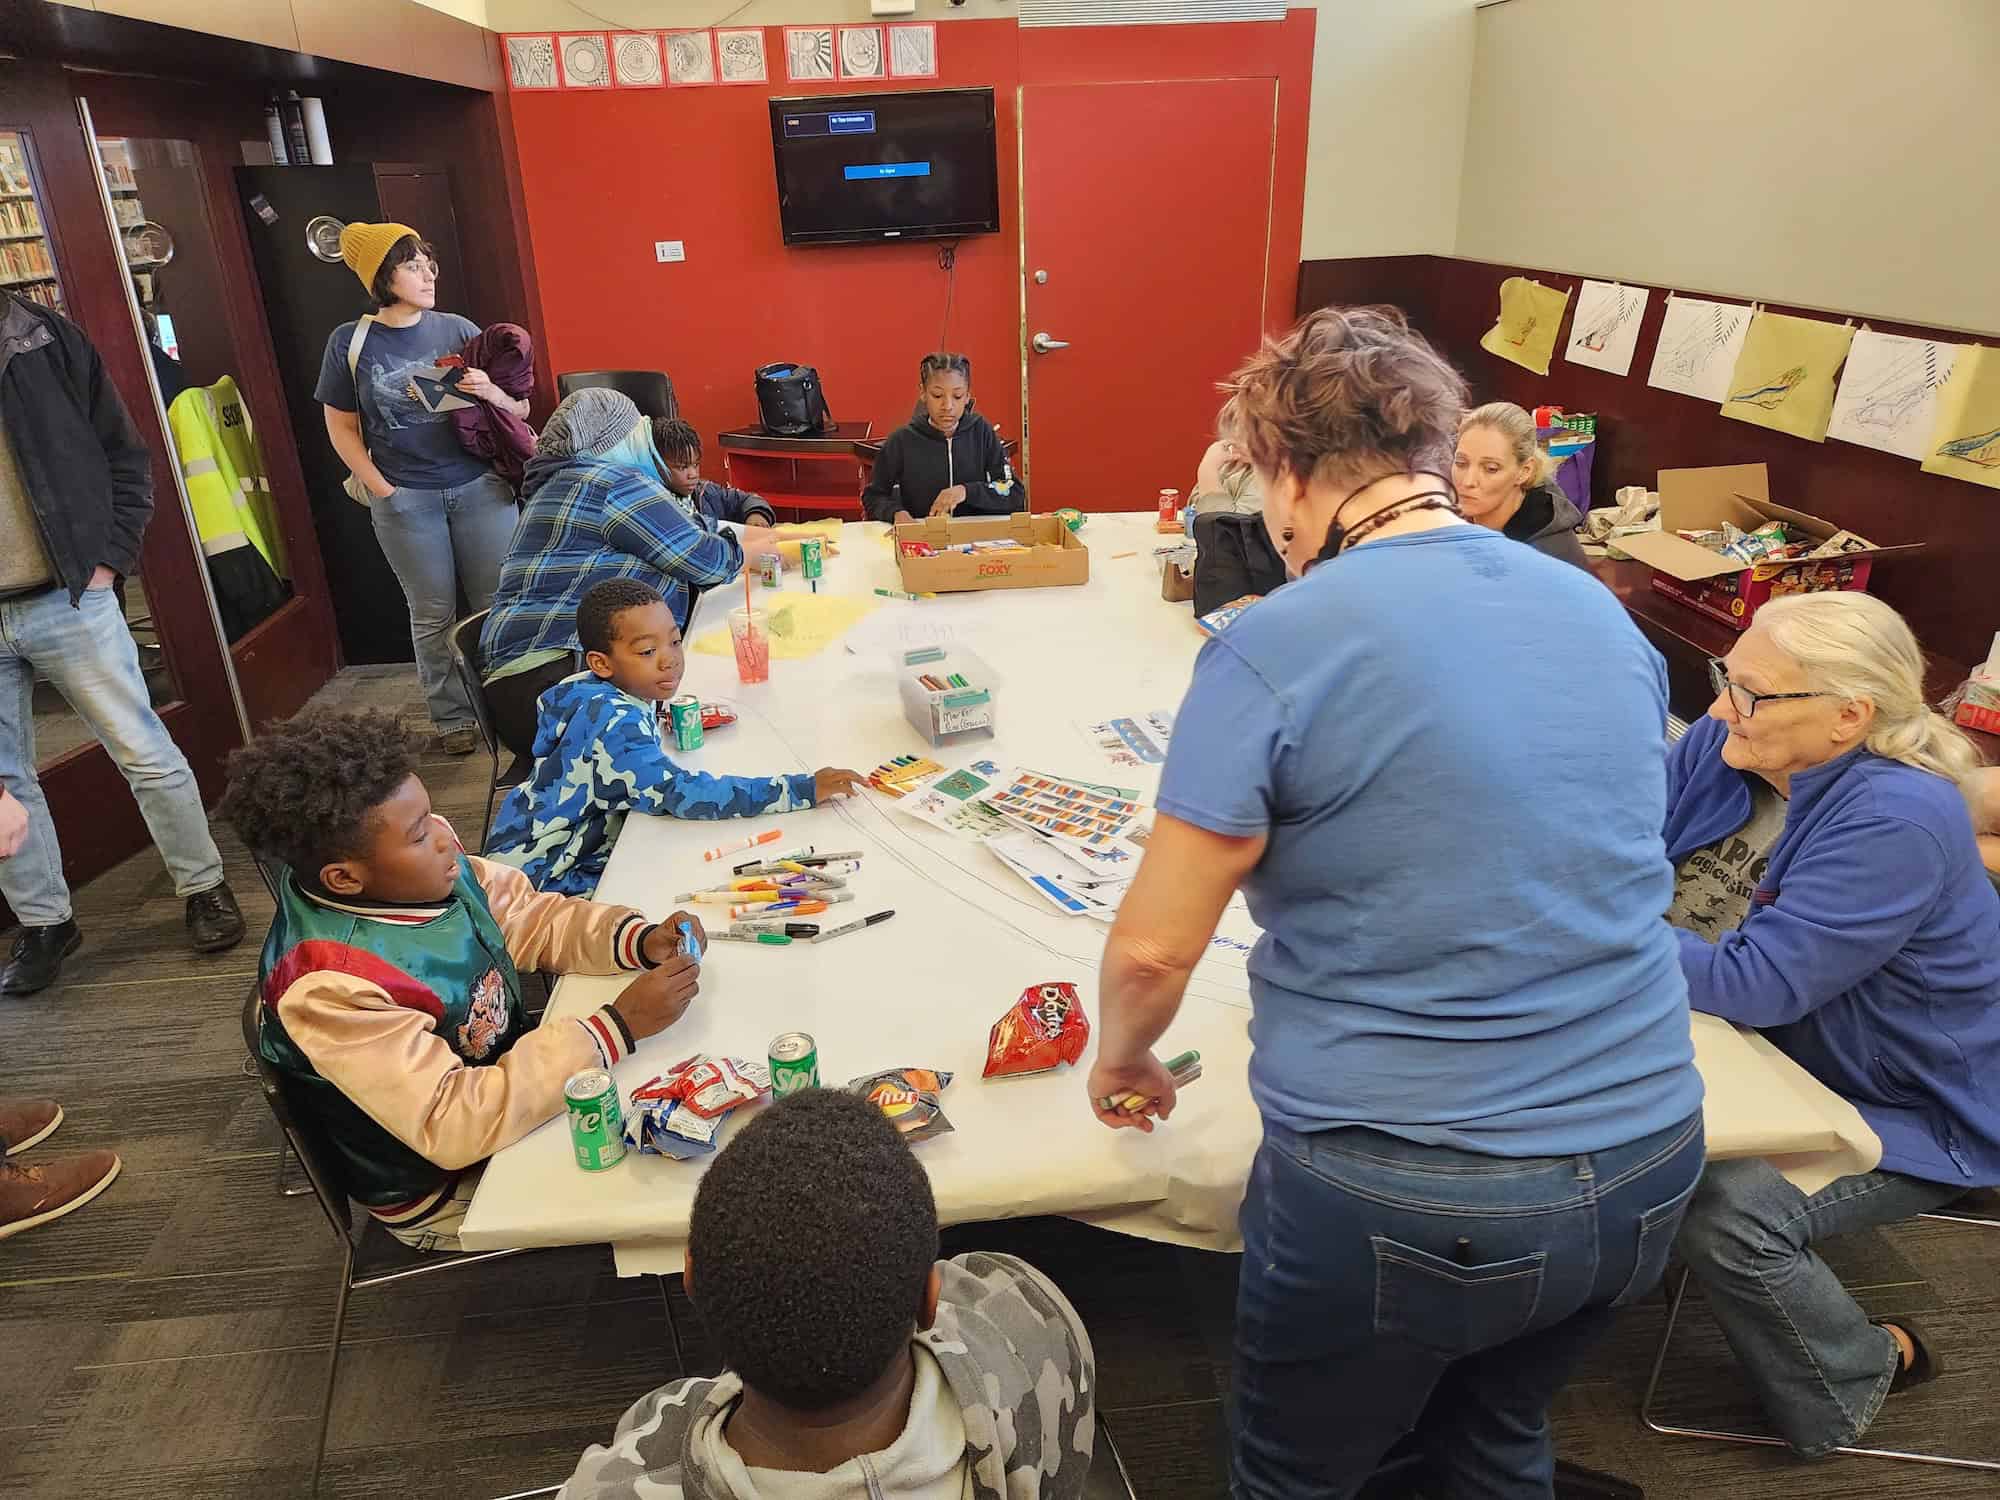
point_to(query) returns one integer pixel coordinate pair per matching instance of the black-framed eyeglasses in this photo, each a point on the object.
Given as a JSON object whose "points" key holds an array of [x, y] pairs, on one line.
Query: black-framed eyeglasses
{"points": [[1743, 699]]}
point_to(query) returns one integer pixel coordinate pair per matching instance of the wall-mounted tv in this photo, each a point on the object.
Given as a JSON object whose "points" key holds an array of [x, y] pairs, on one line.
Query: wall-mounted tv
{"points": [[910, 165]]}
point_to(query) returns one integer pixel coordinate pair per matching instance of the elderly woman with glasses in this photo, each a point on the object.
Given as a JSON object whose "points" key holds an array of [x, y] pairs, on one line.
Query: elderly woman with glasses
{"points": [[1829, 892]]}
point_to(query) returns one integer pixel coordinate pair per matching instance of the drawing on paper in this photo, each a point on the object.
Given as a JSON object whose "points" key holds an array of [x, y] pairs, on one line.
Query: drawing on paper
{"points": [[635, 58], [809, 52], [1530, 317], [689, 57], [1784, 376], [860, 52], [1982, 448], [586, 62], [1888, 396], [1699, 342], [531, 62], [1964, 441], [913, 51], [742, 54], [1605, 332], [1771, 393]]}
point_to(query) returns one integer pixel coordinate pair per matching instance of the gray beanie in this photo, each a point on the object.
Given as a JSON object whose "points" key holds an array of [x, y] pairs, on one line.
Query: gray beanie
{"points": [[588, 424]]}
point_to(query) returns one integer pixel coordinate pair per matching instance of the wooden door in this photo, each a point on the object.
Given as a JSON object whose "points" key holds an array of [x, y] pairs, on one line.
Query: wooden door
{"points": [[1146, 219]]}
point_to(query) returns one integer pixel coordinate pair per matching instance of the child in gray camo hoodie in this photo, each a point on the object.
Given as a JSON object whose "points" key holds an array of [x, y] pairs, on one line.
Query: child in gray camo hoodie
{"points": [[855, 1362]]}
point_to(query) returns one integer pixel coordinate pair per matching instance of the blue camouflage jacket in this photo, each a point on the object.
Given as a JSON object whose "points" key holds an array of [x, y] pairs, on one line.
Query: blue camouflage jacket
{"points": [[598, 757]]}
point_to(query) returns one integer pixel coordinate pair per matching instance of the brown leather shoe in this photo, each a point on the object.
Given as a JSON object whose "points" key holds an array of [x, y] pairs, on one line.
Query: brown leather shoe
{"points": [[35, 1195], [27, 1122]]}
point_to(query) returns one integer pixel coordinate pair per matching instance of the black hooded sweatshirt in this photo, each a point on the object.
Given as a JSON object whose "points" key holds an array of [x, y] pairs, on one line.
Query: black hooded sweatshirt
{"points": [[917, 463]]}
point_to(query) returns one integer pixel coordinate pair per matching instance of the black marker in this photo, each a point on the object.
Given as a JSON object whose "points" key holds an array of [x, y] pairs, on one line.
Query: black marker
{"points": [[845, 927]]}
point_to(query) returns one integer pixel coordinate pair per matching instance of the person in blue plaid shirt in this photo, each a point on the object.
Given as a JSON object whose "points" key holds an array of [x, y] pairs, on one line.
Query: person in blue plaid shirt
{"points": [[596, 506]]}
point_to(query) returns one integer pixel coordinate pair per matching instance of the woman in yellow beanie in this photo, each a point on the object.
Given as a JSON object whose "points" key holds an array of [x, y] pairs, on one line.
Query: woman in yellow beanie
{"points": [[443, 517]]}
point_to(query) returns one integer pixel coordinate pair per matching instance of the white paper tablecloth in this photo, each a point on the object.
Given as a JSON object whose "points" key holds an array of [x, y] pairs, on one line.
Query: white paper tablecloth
{"points": [[922, 988]]}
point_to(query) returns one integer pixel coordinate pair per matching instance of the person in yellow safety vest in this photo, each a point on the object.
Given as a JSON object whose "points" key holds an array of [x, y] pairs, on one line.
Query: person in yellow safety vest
{"points": [[234, 516]]}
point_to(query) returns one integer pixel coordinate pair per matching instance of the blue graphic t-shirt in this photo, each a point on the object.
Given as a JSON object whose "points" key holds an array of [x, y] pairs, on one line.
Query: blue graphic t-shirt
{"points": [[411, 444]]}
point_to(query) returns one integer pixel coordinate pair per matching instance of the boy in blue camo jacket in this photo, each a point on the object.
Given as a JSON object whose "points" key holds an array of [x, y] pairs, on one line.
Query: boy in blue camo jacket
{"points": [[598, 754]]}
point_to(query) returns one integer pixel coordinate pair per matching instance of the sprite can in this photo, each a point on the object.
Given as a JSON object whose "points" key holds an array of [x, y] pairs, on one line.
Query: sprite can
{"points": [[794, 1063], [812, 557], [685, 712], [596, 1123]]}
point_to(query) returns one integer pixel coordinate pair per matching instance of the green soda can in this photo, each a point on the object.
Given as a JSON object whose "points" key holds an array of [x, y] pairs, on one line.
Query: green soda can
{"points": [[794, 1063], [596, 1123], [812, 557], [685, 712]]}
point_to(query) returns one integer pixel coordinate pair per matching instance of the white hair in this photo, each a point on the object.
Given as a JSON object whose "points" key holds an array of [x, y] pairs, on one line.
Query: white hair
{"points": [[1856, 647]]}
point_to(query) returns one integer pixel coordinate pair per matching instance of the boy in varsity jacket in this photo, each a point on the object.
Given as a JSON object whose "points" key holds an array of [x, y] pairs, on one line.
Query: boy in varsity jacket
{"points": [[855, 1362], [598, 754], [391, 976]]}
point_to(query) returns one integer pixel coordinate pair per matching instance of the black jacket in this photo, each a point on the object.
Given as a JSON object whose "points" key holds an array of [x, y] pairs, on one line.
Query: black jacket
{"points": [[916, 464], [88, 473]]}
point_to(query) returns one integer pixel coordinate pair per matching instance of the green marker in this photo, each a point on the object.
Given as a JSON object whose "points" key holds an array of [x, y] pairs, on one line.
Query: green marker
{"points": [[898, 594]]}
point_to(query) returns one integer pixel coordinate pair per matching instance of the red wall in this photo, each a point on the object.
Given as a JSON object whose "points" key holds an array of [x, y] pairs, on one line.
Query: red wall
{"points": [[605, 173]]}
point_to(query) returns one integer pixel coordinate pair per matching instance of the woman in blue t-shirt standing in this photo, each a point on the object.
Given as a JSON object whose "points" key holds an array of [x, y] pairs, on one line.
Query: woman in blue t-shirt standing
{"points": [[443, 517], [1471, 1041]]}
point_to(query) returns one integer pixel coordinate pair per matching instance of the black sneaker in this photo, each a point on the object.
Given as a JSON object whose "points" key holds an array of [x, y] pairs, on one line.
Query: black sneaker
{"points": [[214, 921], [37, 957]]}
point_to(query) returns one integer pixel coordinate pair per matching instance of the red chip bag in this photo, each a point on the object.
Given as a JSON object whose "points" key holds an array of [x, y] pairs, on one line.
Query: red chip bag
{"points": [[1046, 1026]]}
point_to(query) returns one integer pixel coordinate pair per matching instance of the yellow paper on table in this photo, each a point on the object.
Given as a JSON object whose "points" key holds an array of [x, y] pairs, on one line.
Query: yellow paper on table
{"points": [[1966, 441], [1785, 374], [827, 526], [802, 625], [1530, 317]]}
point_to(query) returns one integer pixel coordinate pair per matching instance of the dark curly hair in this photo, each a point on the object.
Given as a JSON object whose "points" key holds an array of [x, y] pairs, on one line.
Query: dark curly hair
{"points": [[812, 1241], [1348, 389], [677, 441], [303, 790], [597, 614], [405, 250]]}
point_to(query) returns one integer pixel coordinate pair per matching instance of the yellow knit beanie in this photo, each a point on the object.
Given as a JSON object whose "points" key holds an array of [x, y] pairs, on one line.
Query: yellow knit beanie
{"points": [[365, 246]]}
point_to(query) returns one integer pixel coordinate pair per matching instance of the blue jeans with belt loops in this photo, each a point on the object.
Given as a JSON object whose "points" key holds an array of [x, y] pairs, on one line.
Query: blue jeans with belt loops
{"points": [[1390, 1287]]}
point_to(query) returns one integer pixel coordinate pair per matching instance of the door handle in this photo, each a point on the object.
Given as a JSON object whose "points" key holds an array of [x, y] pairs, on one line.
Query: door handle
{"points": [[1041, 343]]}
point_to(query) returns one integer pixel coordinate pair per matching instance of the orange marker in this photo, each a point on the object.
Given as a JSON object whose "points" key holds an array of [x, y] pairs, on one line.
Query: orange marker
{"points": [[752, 842]]}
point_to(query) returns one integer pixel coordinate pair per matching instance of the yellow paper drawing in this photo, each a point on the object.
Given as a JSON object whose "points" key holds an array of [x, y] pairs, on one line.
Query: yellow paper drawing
{"points": [[1785, 374], [1966, 441], [802, 625], [1530, 318]]}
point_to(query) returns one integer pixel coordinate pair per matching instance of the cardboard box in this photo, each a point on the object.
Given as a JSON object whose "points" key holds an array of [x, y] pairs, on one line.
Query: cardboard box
{"points": [[1721, 587], [1055, 555]]}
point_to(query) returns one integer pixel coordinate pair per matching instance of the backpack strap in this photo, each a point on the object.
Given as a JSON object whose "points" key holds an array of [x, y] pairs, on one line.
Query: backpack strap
{"points": [[354, 352]]}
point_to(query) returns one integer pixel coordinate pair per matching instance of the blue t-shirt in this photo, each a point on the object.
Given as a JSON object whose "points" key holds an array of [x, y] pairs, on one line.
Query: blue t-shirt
{"points": [[411, 444], [1457, 748]]}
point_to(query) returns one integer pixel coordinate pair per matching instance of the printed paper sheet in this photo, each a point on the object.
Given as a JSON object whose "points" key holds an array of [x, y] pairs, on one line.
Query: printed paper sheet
{"points": [[1604, 334], [1530, 318], [1699, 343], [1784, 378], [802, 625]]}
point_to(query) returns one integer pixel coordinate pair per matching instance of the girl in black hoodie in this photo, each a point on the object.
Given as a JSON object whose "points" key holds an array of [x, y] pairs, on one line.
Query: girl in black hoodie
{"points": [[949, 460]]}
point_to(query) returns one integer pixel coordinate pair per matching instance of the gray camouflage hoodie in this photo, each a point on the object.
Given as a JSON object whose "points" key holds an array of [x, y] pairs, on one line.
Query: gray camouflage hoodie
{"points": [[1011, 1348], [1547, 521]]}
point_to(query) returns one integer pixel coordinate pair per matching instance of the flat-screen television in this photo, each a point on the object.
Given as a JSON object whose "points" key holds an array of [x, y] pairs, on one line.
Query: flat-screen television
{"points": [[910, 165]]}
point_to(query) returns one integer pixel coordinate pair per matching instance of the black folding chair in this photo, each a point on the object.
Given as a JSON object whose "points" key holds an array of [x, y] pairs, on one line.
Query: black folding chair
{"points": [[467, 662], [651, 391]]}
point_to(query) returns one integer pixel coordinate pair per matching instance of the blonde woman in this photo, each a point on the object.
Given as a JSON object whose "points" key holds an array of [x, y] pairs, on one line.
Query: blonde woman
{"points": [[1506, 480], [1829, 892]]}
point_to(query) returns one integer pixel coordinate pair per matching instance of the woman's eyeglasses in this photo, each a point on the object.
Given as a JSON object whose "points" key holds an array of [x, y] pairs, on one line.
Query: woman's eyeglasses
{"points": [[1743, 699]]}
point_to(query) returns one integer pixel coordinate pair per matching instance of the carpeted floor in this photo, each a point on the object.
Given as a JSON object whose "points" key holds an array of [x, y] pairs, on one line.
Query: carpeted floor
{"points": [[168, 1340]]}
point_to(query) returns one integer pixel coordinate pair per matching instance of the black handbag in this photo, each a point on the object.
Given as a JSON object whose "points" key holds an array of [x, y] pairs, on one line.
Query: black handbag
{"points": [[1235, 558], [790, 402]]}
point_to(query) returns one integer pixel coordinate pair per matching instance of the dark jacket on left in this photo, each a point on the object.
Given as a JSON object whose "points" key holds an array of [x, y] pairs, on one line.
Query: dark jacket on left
{"points": [[88, 473]]}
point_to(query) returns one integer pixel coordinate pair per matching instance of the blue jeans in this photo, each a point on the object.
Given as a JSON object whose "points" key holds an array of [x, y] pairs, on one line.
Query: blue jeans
{"points": [[436, 540], [88, 653], [1389, 1287], [1817, 1363]]}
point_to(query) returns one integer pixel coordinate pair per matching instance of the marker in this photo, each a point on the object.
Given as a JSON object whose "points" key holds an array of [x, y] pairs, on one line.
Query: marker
{"points": [[789, 929], [767, 836], [774, 939], [690, 944], [958, 680], [834, 932], [1185, 1069], [898, 594], [822, 859]]}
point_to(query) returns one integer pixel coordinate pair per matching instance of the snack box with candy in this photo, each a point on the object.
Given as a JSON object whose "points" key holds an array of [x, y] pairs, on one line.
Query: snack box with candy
{"points": [[680, 1113], [1043, 1029], [1724, 546], [909, 1098]]}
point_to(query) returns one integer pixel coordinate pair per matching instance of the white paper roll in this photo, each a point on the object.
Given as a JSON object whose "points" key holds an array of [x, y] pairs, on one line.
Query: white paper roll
{"points": [[317, 145]]}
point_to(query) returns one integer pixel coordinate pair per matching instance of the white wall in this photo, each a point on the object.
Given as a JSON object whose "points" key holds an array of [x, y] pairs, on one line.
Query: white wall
{"points": [[473, 11], [1838, 154], [1391, 86]]}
